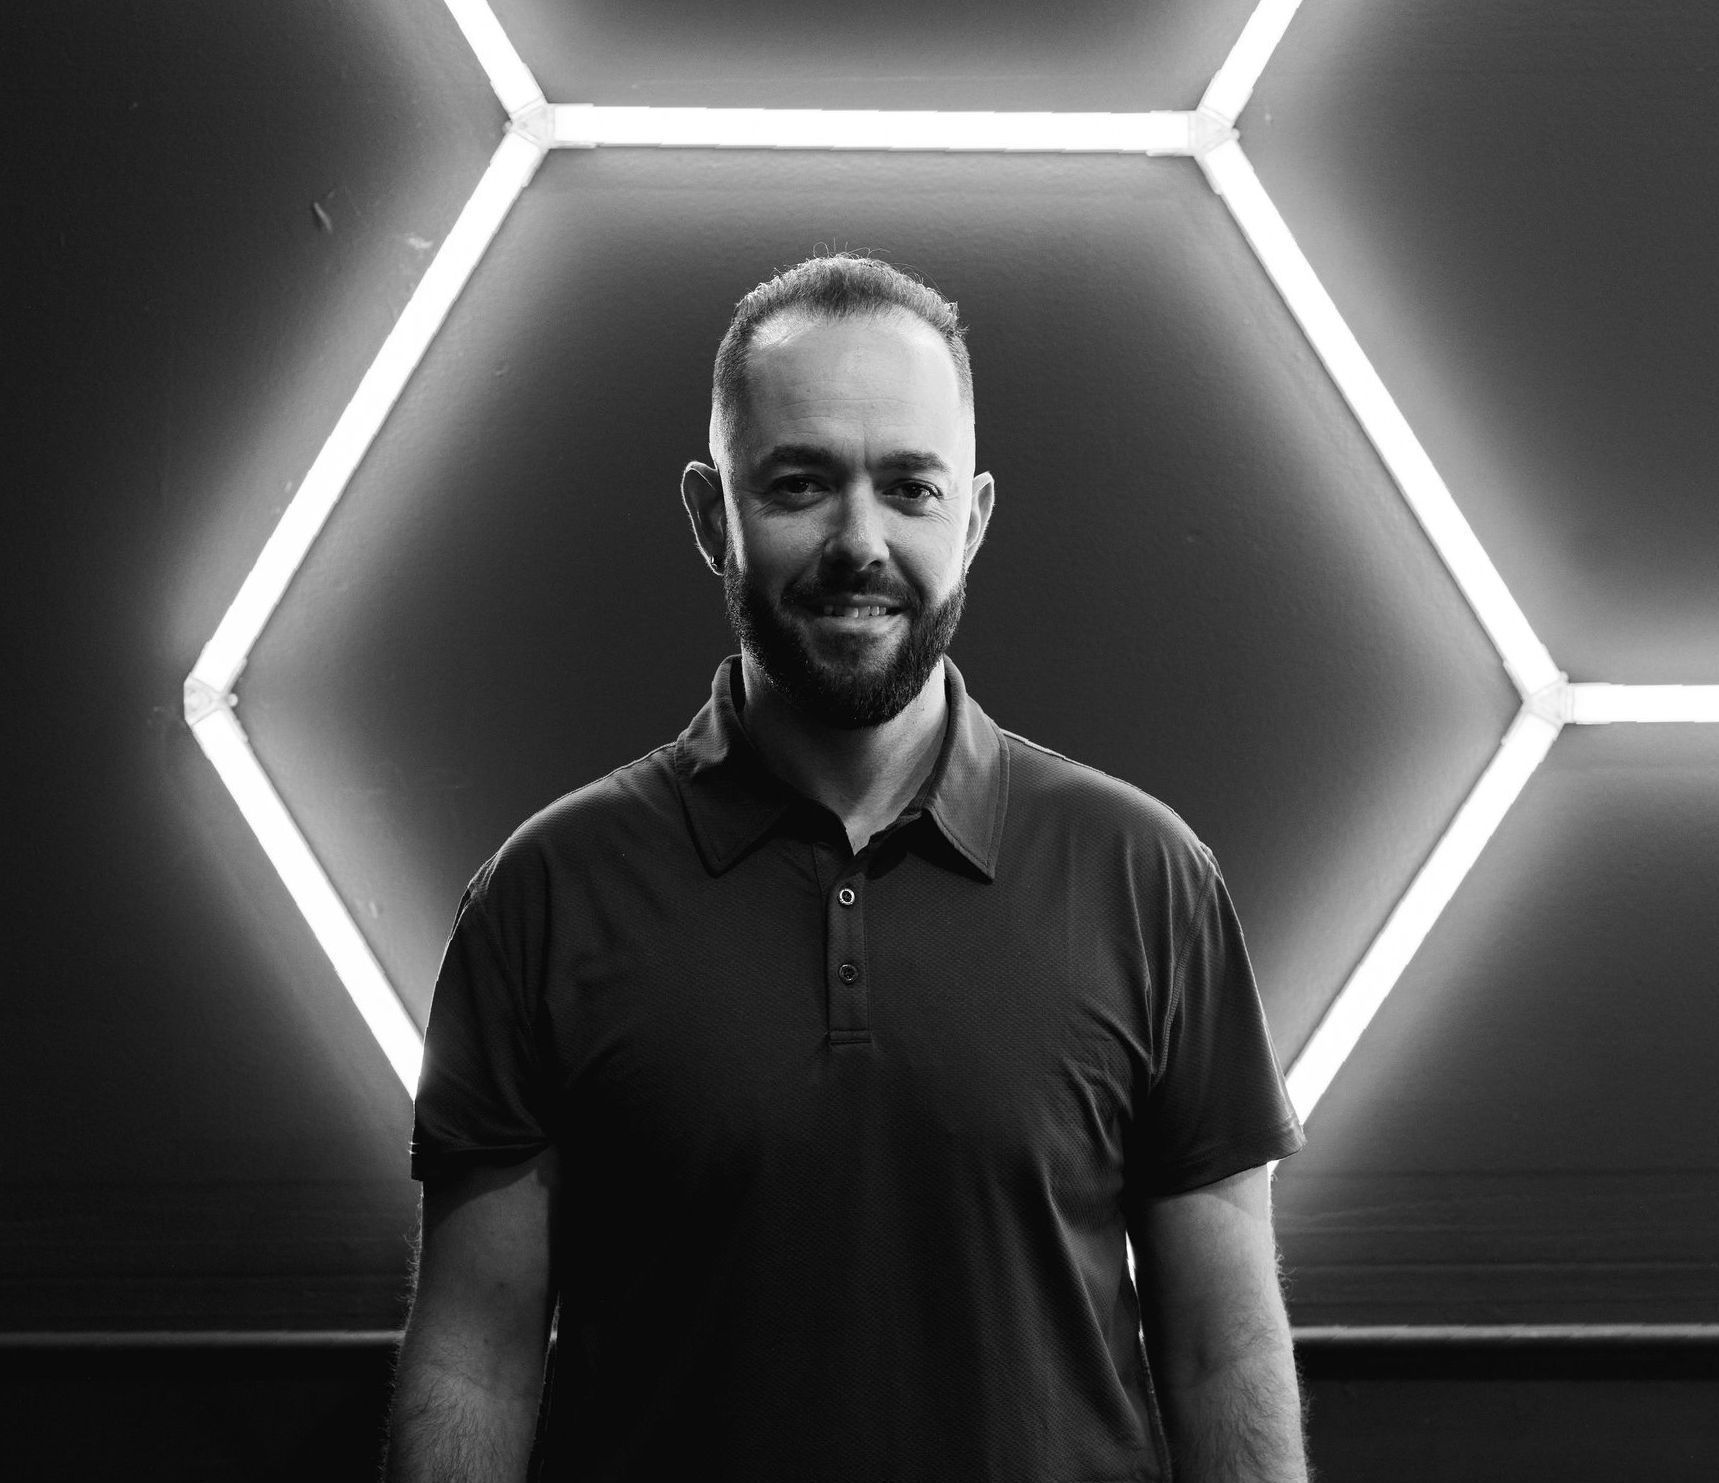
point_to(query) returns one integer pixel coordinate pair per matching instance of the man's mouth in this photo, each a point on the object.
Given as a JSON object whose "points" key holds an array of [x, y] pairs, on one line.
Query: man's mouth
{"points": [[848, 610], [849, 605]]}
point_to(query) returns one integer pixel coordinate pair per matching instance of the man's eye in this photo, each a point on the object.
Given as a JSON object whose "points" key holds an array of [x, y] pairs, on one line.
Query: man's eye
{"points": [[916, 493], [794, 486]]}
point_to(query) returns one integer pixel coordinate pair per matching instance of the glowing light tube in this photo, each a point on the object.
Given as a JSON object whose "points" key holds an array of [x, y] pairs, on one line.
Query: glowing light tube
{"points": [[584, 125], [1598, 705], [223, 742], [1522, 750], [514, 85], [1525, 657], [223, 657], [1207, 134], [1233, 84]]}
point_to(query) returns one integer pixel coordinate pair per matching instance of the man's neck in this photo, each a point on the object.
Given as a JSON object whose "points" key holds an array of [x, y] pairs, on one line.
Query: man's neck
{"points": [[865, 776]]}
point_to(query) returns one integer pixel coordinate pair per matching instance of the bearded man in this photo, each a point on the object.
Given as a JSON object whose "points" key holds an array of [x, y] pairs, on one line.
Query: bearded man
{"points": [[814, 1073]]}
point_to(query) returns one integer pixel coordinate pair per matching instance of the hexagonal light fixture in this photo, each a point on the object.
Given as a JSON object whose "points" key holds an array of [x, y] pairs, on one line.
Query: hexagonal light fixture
{"points": [[1208, 135]]}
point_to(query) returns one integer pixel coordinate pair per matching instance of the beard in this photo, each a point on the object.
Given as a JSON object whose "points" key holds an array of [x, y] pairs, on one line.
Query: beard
{"points": [[845, 688]]}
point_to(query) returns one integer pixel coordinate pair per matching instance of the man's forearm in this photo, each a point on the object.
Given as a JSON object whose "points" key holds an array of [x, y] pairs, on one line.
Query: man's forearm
{"points": [[446, 1426], [1241, 1424]]}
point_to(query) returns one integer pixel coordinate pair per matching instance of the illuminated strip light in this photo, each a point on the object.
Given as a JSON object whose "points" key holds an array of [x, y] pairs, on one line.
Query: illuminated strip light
{"points": [[1599, 705], [1536, 677], [1521, 751], [224, 743], [1549, 699], [1207, 134], [508, 75], [1233, 83], [208, 704], [584, 126], [1524, 656]]}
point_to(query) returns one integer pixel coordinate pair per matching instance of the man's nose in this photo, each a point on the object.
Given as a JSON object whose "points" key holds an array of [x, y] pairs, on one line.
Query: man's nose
{"points": [[856, 537]]}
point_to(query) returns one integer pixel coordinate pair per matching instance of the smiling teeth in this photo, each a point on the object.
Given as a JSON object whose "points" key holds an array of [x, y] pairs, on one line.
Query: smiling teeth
{"points": [[855, 612]]}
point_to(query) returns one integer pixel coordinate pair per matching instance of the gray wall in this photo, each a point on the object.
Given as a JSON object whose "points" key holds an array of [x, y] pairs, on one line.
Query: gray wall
{"points": [[1199, 577]]}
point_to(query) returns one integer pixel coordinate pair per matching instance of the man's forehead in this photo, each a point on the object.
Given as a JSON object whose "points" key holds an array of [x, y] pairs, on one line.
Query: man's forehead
{"points": [[798, 346], [803, 369]]}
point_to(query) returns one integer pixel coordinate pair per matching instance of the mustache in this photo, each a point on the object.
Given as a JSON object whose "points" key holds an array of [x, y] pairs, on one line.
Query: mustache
{"points": [[873, 592]]}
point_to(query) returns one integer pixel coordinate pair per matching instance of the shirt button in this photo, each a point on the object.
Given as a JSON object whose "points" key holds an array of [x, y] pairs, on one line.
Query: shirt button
{"points": [[845, 895], [847, 973]]}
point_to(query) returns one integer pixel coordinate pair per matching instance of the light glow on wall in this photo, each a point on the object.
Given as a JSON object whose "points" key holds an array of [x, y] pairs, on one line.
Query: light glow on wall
{"points": [[510, 169], [1524, 656], [1206, 134]]}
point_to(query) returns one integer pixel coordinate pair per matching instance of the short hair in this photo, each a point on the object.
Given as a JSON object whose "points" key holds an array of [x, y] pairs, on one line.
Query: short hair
{"points": [[842, 285]]}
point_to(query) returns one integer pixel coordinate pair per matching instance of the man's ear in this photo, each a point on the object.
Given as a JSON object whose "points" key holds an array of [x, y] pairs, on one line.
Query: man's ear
{"points": [[701, 493], [978, 516]]}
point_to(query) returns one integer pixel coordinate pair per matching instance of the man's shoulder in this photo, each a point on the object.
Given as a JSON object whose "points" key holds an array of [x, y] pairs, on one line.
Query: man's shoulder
{"points": [[1050, 789], [631, 805]]}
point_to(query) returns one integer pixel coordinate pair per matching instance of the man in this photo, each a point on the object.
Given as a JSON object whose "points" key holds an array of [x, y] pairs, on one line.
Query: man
{"points": [[819, 1065]]}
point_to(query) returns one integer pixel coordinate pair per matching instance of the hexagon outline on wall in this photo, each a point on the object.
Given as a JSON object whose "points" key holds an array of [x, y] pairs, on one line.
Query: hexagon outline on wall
{"points": [[1208, 135]]}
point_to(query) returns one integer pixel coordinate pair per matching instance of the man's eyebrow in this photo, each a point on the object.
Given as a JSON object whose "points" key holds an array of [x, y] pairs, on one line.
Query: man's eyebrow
{"points": [[810, 455], [913, 461]]}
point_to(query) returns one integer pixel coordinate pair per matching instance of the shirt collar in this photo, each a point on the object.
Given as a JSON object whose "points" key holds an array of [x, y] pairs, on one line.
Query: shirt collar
{"points": [[732, 799]]}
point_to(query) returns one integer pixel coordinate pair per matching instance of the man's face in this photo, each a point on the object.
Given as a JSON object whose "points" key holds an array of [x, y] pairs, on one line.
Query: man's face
{"points": [[851, 513]]}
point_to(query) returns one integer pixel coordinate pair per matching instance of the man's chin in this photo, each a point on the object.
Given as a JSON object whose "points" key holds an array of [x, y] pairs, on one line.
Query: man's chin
{"points": [[848, 673], [855, 655], [845, 690]]}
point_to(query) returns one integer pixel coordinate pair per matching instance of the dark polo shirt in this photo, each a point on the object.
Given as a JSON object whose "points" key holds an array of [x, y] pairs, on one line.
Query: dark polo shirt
{"points": [[849, 1142]]}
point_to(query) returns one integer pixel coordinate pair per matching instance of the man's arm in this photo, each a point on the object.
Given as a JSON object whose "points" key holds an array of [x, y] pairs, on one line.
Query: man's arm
{"points": [[1217, 1334], [470, 1376]]}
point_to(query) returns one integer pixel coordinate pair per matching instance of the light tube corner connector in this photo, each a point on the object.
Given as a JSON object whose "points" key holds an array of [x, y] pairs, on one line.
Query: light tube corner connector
{"points": [[202, 700], [1207, 129], [1552, 703], [535, 122]]}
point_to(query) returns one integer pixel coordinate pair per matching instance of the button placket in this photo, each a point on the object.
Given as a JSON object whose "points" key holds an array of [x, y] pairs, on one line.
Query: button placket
{"points": [[845, 966]]}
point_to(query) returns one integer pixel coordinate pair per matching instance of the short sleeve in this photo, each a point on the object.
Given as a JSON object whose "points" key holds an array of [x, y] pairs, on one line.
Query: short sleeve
{"points": [[482, 1093], [1218, 1103]]}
